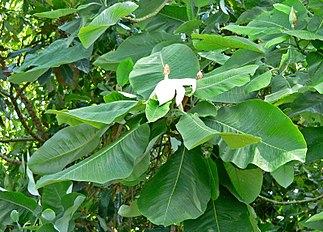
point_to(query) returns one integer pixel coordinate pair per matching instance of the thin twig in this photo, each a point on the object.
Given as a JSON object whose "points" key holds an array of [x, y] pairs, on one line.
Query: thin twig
{"points": [[5, 93], [16, 140], [20, 90], [152, 14], [31, 110], [291, 202], [22, 120], [9, 160]]}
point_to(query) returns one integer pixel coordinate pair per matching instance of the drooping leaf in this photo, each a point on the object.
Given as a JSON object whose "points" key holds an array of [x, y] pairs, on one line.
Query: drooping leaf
{"points": [[316, 217], [212, 85], [224, 214], [302, 34], [116, 161], [51, 194], [71, 203], [97, 116], [281, 141], [189, 26], [190, 125], [10, 201], [180, 190], [129, 210], [148, 71], [244, 184], [204, 109], [284, 175], [110, 16], [209, 42], [54, 14], [64, 147], [136, 47], [154, 111]]}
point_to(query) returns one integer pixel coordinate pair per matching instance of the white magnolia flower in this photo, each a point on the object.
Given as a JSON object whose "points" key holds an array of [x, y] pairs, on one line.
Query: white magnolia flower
{"points": [[166, 89]]}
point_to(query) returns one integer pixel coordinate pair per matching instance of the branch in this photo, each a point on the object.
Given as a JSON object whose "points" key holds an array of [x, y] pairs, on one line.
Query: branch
{"points": [[23, 122], [16, 140], [9, 160], [152, 14], [291, 202], [31, 110], [5, 93]]}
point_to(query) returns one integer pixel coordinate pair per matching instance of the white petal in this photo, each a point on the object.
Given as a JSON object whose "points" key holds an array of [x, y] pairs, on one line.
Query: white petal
{"points": [[165, 91], [180, 92]]}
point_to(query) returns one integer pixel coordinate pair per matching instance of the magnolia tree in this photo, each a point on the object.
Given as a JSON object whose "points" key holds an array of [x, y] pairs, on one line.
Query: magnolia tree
{"points": [[161, 115]]}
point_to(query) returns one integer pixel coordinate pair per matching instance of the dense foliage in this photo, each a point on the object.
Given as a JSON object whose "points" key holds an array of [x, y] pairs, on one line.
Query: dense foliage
{"points": [[164, 115]]}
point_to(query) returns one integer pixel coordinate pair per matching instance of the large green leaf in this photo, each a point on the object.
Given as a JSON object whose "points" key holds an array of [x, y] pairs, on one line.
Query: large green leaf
{"points": [[64, 147], [190, 125], [244, 184], [224, 214], [110, 16], [97, 116], [54, 14], [215, 83], [136, 47], [259, 82], [180, 190], [212, 42], [148, 71], [214, 178], [307, 35], [58, 53], [15, 201], [281, 141], [113, 162]]}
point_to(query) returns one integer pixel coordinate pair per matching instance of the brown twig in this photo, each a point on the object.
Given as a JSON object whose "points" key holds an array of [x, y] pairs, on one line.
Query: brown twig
{"points": [[23, 121], [31, 110], [16, 140], [9, 160], [5, 93], [20, 90], [291, 202]]}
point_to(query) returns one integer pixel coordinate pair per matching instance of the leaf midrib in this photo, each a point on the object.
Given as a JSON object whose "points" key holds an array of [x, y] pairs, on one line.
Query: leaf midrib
{"points": [[175, 185]]}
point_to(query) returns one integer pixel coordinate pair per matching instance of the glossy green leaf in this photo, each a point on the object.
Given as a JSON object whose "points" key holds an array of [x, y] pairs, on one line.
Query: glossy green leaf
{"points": [[54, 14], [284, 175], [123, 71], [244, 184], [110, 16], [116, 161], [209, 42], [191, 124], [216, 56], [129, 210], [66, 146], [148, 71], [224, 214], [276, 40], [136, 47], [48, 214], [180, 190], [252, 31], [276, 147], [212, 85], [51, 194], [259, 82], [314, 140], [10, 201], [154, 111], [97, 116]]}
